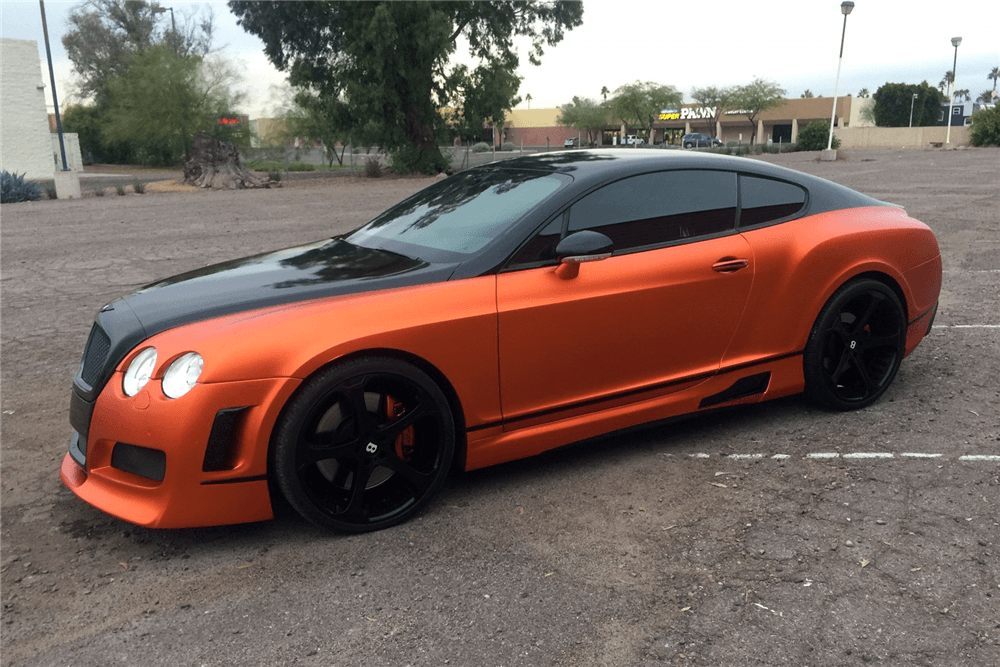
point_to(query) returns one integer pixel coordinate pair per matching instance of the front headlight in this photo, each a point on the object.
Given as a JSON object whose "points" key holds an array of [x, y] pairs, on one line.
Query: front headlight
{"points": [[182, 375], [139, 371]]}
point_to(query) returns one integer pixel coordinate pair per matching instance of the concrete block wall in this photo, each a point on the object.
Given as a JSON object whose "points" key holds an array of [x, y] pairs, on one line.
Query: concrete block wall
{"points": [[899, 137], [25, 141]]}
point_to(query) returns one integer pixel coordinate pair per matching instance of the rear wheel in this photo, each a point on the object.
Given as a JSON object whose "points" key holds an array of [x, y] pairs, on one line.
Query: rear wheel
{"points": [[364, 445], [855, 346]]}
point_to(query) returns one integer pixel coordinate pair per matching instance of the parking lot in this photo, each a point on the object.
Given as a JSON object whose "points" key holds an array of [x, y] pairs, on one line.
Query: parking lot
{"points": [[776, 534]]}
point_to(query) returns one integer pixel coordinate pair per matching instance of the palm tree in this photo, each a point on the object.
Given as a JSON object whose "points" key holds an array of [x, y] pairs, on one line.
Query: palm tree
{"points": [[964, 93], [949, 78], [527, 98], [808, 94], [994, 74], [985, 97], [863, 93], [604, 92]]}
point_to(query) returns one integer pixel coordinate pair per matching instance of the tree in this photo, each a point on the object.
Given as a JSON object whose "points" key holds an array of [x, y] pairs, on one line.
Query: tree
{"points": [[389, 61], [963, 95], [814, 137], [892, 103], [807, 94], [754, 98], [105, 34], [863, 93], [712, 97], [586, 115], [985, 97], [604, 93], [484, 97], [162, 100], [947, 80], [638, 104], [994, 74], [985, 127], [527, 98]]}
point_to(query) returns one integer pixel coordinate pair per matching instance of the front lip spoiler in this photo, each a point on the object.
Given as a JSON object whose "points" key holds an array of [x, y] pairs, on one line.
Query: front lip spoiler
{"points": [[78, 450]]}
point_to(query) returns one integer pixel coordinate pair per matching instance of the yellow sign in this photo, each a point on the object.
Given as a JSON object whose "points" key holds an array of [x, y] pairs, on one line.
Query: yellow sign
{"points": [[670, 114]]}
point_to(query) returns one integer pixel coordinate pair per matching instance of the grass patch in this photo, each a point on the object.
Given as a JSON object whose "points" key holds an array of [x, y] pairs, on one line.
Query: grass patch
{"points": [[276, 165], [139, 187]]}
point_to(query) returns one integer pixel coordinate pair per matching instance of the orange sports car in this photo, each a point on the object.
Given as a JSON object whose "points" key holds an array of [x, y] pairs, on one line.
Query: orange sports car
{"points": [[499, 313]]}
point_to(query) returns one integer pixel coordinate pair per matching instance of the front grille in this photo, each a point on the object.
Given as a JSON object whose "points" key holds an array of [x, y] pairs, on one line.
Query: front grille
{"points": [[95, 355]]}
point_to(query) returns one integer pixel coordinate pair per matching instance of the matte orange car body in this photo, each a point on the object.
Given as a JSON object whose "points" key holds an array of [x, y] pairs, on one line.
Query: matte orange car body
{"points": [[681, 331]]}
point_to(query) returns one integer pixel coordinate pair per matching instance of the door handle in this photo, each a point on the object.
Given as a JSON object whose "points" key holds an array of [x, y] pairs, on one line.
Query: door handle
{"points": [[730, 265]]}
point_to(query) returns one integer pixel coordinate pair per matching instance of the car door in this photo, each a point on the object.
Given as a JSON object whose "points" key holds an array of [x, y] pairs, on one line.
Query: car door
{"points": [[656, 316]]}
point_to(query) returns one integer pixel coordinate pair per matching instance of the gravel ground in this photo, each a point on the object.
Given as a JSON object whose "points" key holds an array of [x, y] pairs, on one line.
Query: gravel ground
{"points": [[876, 540]]}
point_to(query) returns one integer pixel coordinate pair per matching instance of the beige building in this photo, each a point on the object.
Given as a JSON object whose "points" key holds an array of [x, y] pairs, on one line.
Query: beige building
{"points": [[540, 127]]}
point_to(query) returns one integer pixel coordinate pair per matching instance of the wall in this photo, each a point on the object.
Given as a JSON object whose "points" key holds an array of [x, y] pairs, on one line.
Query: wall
{"points": [[25, 142], [899, 137]]}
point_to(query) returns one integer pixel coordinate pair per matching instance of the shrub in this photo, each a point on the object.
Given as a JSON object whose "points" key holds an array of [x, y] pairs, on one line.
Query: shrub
{"points": [[508, 146], [985, 127], [814, 136], [14, 188], [481, 147], [98, 191], [274, 176], [120, 188], [50, 189], [372, 168], [139, 187]]}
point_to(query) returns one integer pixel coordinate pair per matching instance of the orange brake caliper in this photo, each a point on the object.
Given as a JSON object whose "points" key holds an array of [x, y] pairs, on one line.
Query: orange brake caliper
{"points": [[404, 441]]}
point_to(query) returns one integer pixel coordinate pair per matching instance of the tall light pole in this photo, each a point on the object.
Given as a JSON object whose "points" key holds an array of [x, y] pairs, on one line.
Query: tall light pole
{"points": [[911, 108], [845, 9], [955, 41], [173, 26]]}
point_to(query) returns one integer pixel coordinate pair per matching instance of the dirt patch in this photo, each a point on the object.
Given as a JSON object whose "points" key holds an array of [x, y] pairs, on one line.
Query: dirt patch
{"points": [[770, 535]]}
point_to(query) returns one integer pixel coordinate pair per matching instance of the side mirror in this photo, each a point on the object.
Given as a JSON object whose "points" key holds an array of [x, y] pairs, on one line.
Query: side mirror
{"points": [[584, 246], [579, 247]]}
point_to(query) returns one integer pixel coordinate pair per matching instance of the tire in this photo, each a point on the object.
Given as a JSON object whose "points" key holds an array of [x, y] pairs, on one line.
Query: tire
{"points": [[855, 347], [689, 145], [364, 445]]}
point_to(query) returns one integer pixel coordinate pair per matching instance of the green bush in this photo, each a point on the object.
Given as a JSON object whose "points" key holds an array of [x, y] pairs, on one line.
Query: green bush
{"points": [[481, 147], [508, 146], [277, 165], [985, 127], [815, 136], [139, 187], [14, 188], [120, 188]]}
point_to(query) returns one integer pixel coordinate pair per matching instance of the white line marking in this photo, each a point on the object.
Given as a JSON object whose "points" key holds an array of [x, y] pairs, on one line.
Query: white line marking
{"points": [[780, 456], [918, 455], [868, 455], [979, 457], [745, 456], [972, 271], [823, 455], [967, 326], [699, 456]]}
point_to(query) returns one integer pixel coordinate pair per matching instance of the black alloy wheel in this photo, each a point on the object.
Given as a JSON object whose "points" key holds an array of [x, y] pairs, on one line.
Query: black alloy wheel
{"points": [[855, 347], [689, 145], [364, 445]]}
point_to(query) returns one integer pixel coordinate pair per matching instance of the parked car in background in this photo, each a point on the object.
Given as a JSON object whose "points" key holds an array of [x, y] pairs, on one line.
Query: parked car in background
{"points": [[570, 143], [632, 140], [698, 140]]}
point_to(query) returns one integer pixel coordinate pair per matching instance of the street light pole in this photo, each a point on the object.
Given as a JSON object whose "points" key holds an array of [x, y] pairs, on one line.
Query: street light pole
{"points": [[911, 108], [845, 8], [955, 41]]}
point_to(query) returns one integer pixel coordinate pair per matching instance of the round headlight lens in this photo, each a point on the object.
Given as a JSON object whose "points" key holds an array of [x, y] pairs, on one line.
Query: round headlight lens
{"points": [[182, 375], [139, 371]]}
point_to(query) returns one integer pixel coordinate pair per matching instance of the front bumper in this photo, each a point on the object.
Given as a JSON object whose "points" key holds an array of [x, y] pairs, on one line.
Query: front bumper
{"points": [[149, 460]]}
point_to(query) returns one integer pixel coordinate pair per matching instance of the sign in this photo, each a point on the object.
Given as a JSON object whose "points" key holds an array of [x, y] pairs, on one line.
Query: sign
{"points": [[670, 114], [229, 120], [688, 113]]}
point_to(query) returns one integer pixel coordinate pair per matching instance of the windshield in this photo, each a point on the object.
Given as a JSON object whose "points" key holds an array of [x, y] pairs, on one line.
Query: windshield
{"points": [[458, 216]]}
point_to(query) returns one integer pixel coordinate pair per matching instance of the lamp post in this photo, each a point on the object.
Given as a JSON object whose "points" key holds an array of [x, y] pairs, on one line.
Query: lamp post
{"points": [[955, 41], [845, 9], [911, 108], [173, 26]]}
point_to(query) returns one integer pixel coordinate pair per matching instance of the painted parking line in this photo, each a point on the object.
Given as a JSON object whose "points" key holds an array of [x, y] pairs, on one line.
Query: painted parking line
{"points": [[967, 326], [990, 458]]}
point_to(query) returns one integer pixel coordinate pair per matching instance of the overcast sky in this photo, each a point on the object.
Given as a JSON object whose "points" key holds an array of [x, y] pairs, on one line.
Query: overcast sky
{"points": [[687, 45]]}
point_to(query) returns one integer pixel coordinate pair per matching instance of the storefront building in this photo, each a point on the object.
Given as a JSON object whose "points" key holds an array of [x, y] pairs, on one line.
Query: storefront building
{"points": [[539, 127]]}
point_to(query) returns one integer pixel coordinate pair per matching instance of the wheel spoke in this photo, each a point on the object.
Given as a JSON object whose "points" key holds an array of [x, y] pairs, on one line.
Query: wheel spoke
{"points": [[865, 320], [313, 452], [842, 366], [355, 503], [417, 481], [392, 429], [358, 408], [866, 378]]}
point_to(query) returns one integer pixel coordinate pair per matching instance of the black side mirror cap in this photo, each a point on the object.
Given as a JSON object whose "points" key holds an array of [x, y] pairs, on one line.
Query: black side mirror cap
{"points": [[584, 246]]}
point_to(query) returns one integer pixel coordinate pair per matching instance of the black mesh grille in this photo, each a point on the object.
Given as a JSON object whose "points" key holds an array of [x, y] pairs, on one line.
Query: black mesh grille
{"points": [[95, 355]]}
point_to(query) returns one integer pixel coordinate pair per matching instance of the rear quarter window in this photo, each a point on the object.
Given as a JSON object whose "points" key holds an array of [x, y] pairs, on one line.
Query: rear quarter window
{"points": [[764, 200]]}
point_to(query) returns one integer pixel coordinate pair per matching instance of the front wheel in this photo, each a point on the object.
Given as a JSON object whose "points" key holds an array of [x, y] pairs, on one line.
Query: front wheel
{"points": [[364, 445], [855, 347], [689, 145]]}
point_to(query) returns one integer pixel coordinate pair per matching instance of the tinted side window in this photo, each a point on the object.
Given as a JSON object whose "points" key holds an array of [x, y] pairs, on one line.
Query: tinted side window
{"points": [[763, 200], [658, 208]]}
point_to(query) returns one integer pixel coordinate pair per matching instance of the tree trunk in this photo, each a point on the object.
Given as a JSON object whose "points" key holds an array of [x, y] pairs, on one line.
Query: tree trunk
{"points": [[216, 164]]}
